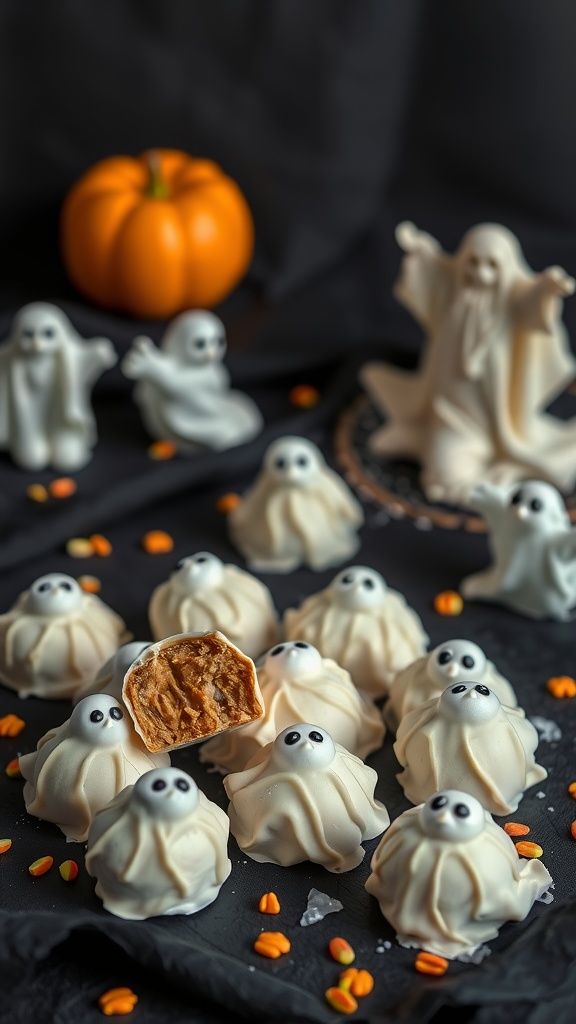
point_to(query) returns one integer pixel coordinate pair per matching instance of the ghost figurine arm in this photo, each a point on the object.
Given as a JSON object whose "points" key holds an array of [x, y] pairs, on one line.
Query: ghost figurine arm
{"points": [[98, 354], [144, 361], [424, 273], [563, 547], [490, 501], [536, 304]]}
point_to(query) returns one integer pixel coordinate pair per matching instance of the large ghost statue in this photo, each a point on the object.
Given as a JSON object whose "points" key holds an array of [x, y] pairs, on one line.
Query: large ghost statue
{"points": [[497, 354], [46, 374]]}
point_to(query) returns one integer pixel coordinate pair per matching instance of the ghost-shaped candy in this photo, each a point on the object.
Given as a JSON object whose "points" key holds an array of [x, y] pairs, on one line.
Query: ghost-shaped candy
{"points": [[46, 375], [183, 389], [298, 512], [160, 847], [447, 877], [363, 625], [533, 547], [297, 684], [110, 678], [428, 677], [56, 638], [304, 797], [205, 594], [467, 738], [83, 764]]}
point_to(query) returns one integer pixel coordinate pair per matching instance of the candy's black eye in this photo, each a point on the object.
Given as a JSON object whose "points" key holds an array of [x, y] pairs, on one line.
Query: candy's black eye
{"points": [[291, 738], [96, 716], [66, 586], [516, 498], [462, 811], [459, 689], [201, 558], [44, 587], [302, 460], [28, 332], [438, 802], [369, 584], [158, 784], [444, 657], [182, 785], [277, 650], [48, 332], [483, 690], [468, 661], [348, 578], [116, 714], [200, 343], [280, 463], [316, 736], [536, 505], [301, 645]]}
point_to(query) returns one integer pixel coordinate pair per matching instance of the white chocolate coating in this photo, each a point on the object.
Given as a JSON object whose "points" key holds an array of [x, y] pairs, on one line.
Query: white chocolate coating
{"points": [[204, 594], [83, 764], [110, 678], [447, 877], [465, 738], [297, 684], [428, 677], [46, 375], [298, 512], [303, 797], [533, 548], [363, 625], [184, 390], [159, 848], [56, 638], [496, 355]]}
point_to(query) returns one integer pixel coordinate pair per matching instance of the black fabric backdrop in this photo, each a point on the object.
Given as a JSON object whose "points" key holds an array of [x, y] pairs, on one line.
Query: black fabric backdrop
{"points": [[338, 118]]}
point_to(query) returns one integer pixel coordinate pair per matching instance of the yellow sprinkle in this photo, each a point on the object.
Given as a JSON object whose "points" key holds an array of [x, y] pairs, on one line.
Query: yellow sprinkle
{"points": [[37, 492], [79, 547]]}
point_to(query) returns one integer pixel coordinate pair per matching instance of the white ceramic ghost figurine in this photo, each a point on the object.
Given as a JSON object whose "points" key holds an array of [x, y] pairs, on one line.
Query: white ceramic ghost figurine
{"points": [[56, 638], [298, 512], [110, 678], [453, 661], [183, 389], [363, 625], [205, 594], [304, 797], [447, 877], [497, 354], [160, 847], [533, 547], [298, 684], [46, 375], [83, 764], [467, 738]]}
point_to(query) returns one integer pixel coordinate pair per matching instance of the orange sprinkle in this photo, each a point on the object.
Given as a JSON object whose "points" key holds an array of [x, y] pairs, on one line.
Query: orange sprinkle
{"points": [[527, 849], [359, 982], [13, 769], [514, 828], [572, 789], [429, 963], [161, 450], [448, 602], [11, 725], [341, 1000], [5, 845], [304, 396], [41, 866], [101, 546], [272, 944], [117, 1002], [63, 487], [68, 870], [341, 951], [562, 686], [79, 547], [269, 904], [37, 492], [227, 502], [90, 584], [573, 829], [157, 542]]}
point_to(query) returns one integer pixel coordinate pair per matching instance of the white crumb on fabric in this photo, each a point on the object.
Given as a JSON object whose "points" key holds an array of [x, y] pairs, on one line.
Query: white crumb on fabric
{"points": [[319, 905], [548, 731]]}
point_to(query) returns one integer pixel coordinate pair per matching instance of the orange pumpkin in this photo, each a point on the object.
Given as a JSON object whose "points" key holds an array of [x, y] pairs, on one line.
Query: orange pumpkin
{"points": [[155, 234]]}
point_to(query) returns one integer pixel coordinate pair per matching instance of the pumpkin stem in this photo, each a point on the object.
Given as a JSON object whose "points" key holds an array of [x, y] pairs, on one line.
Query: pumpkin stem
{"points": [[157, 187]]}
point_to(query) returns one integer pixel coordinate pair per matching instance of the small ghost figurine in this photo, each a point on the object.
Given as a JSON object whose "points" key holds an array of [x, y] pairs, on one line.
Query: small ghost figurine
{"points": [[298, 684], [447, 877], [204, 594], [429, 676], [55, 638], [363, 625], [46, 375], [110, 678], [533, 547], [183, 389], [304, 797], [298, 512], [160, 847], [83, 764], [496, 356], [466, 737]]}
